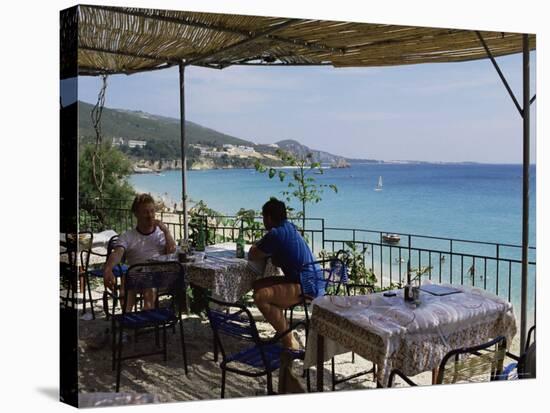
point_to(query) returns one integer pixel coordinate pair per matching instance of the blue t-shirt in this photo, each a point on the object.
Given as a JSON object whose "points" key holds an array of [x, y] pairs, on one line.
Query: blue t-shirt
{"points": [[290, 251]]}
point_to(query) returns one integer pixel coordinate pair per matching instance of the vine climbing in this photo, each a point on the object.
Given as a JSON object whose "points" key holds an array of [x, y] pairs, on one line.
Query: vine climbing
{"points": [[98, 167]]}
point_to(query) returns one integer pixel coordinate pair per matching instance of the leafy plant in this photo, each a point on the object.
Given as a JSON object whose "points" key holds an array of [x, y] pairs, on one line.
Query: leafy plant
{"points": [[116, 168], [361, 278], [417, 273], [246, 221], [301, 185], [201, 216]]}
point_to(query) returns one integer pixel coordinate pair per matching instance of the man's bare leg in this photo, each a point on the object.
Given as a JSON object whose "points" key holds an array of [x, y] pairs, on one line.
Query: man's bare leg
{"points": [[272, 296]]}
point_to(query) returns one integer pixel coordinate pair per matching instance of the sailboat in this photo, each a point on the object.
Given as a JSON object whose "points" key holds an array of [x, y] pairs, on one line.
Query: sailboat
{"points": [[379, 186]]}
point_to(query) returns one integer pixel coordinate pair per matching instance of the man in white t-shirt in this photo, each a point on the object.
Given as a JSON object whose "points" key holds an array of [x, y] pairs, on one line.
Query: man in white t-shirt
{"points": [[149, 239]]}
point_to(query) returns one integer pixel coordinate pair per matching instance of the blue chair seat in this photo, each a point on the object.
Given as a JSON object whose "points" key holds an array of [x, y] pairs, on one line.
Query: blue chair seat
{"points": [[508, 373], [118, 270], [157, 316], [252, 357]]}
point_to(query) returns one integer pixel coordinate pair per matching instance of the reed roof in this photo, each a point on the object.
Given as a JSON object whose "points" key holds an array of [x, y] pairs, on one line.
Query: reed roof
{"points": [[130, 40]]}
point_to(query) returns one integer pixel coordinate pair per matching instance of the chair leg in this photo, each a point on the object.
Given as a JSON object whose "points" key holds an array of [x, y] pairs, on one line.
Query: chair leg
{"points": [[157, 341], [113, 343], [90, 295], [215, 350], [105, 301], [183, 349], [352, 357], [119, 358], [223, 383], [333, 374], [82, 287], [308, 381], [165, 351], [68, 293], [269, 383]]}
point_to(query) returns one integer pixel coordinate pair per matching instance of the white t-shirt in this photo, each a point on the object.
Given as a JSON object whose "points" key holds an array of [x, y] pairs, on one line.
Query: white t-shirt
{"points": [[141, 247]]}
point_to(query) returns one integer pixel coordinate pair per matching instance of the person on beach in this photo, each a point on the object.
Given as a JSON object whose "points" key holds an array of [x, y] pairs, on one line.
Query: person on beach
{"points": [[289, 251], [149, 239]]}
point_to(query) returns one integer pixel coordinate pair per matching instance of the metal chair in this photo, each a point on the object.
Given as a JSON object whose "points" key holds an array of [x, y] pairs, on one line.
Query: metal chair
{"points": [[259, 357], [465, 364], [167, 277], [76, 246], [322, 277], [118, 271], [333, 274], [68, 269], [524, 365]]}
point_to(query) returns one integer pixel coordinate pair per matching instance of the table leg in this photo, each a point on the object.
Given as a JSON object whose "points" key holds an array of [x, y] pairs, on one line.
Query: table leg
{"points": [[434, 375], [320, 361]]}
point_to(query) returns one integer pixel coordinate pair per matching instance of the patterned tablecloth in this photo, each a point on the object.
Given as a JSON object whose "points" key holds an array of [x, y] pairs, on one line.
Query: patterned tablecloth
{"points": [[394, 334], [227, 276]]}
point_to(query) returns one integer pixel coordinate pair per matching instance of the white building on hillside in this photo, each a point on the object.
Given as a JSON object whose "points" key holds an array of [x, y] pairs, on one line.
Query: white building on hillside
{"points": [[118, 141], [136, 144], [246, 148]]}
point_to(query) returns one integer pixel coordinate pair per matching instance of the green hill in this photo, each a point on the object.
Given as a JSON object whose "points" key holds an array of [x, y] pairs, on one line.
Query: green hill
{"points": [[144, 126], [162, 137]]}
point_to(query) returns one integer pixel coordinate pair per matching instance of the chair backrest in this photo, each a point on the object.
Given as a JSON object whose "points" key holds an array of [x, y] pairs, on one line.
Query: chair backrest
{"points": [[465, 364], [231, 319], [527, 363], [167, 276], [77, 245], [322, 277]]}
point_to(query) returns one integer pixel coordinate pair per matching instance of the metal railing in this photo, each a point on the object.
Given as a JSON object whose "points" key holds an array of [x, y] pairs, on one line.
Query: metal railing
{"points": [[495, 267]]}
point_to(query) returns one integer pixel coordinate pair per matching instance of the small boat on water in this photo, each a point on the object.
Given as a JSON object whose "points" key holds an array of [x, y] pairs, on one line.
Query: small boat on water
{"points": [[391, 238], [379, 185]]}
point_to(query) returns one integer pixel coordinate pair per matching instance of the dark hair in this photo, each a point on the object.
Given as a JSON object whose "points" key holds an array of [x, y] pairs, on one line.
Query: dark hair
{"points": [[275, 209], [141, 199]]}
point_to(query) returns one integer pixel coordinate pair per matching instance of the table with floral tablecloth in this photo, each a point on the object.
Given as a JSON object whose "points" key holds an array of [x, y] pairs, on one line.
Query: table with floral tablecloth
{"points": [[219, 270], [394, 334]]}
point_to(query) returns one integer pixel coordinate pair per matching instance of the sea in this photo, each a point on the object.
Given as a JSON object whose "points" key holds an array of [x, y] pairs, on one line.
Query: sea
{"points": [[479, 202]]}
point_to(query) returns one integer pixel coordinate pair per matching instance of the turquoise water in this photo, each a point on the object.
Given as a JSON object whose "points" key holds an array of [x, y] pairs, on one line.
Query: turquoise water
{"points": [[478, 202], [470, 202]]}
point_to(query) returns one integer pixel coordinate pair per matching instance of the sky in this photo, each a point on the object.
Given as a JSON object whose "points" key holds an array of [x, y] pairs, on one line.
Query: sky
{"points": [[450, 112]]}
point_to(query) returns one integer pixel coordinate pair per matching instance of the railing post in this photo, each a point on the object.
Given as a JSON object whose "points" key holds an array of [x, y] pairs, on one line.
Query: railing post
{"points": [[323, 233], [409, 245], [498, 266], [451, 263]]}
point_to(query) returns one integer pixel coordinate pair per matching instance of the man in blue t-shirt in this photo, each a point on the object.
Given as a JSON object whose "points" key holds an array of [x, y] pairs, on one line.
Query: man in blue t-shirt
{"points": [[288, 250]]}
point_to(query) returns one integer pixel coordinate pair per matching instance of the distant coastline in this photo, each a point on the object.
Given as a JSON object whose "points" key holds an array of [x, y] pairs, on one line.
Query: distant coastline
{"points": [[149, 167]]}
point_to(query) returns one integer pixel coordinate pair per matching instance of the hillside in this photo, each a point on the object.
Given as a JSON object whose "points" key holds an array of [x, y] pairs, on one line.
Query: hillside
{"points": [[206, 148], [144, 126], [297, 148]]}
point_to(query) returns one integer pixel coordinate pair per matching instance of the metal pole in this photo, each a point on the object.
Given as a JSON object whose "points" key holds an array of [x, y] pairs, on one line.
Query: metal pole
{"points": [[183, 151], [525, 226]]}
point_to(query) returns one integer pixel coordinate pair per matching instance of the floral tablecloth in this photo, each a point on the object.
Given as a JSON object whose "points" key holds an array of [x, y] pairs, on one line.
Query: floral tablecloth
{"points": [[394, 334], [227, 276]]}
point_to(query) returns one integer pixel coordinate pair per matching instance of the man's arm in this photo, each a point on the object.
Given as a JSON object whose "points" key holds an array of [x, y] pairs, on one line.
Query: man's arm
{"points": [[170, 243], [114, 259], [256, 254]]}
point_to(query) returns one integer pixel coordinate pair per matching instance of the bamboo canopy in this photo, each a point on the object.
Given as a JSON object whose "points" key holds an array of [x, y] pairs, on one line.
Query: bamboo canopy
{"points": [[121, 40]]}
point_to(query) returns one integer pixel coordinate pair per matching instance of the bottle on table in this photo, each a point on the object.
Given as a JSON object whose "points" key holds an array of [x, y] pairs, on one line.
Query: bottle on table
{"points": [[240, 245], [407, 291], [201, 240]]}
